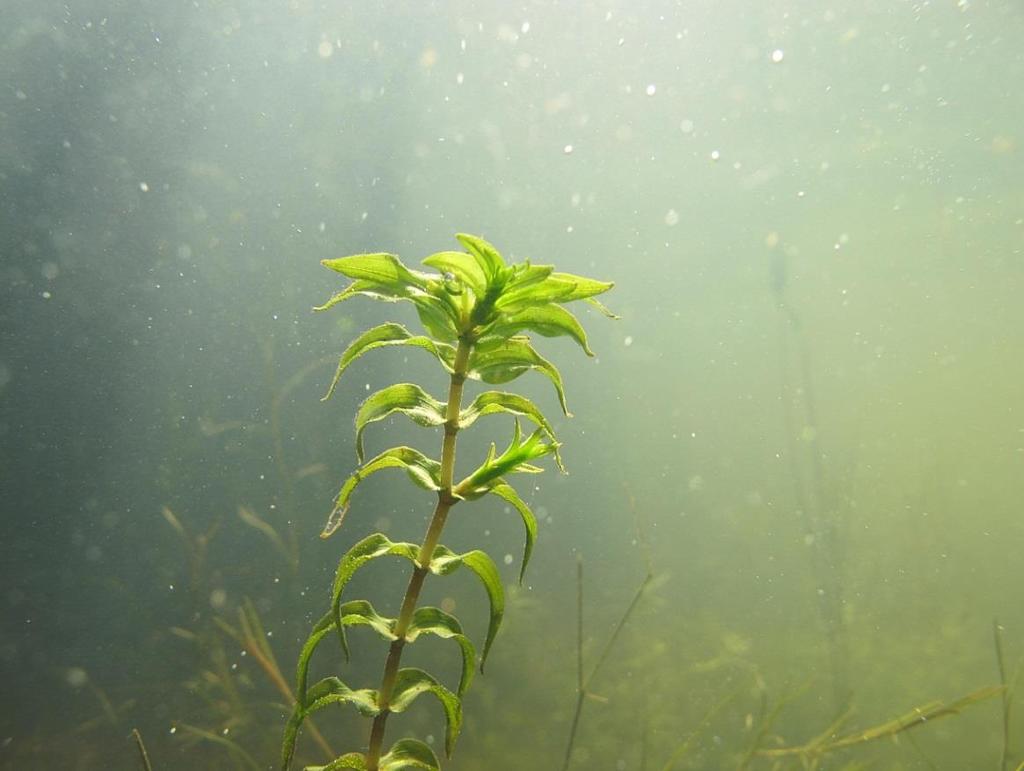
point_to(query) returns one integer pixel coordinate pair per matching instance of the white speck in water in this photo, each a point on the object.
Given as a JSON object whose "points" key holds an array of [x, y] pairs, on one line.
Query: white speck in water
{"points": [[671, 217], [525, 28], [77, 677], [800, 194], [174, 730], [627, 341], [144, 187], [686, 126], [460, 78], [715, 155], [508, 559], [322, 227], [567, 149], [430, 738], [325, 49], [778, 55], [651, 89]]}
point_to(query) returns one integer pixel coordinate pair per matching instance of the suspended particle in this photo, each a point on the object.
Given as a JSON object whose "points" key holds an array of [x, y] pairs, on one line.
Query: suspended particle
{"points": [[651, 89], [686, 126], [778, 55], [144, 187], [715, 155], [567, 149], [671, 217], [325, 50]]}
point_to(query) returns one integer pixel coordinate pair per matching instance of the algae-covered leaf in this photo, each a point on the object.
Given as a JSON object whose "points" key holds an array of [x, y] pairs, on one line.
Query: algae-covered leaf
{"points": [[371, 547], [385, 335], [326, 692], [406, 398], [548, 320], [410, 683], [463, 266], [422, 470], [409, 753], [499, 360], [487, 257], [354, 760], [436, 621], [445, 561]]}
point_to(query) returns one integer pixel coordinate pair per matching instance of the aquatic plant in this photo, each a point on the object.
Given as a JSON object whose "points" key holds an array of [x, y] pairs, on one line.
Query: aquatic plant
{"points": [[476, 311]]}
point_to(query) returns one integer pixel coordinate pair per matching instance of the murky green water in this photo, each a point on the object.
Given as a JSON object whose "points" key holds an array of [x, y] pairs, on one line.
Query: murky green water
{"points": [[807, 427]]}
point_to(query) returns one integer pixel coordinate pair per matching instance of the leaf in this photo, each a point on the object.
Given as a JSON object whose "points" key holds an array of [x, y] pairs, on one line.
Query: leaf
{"points": [[548, 320], [380, 268], [445, 561], [422, 470], [371, 547], [583, 287], [463, 266], [438, 316], [516, 457], [491, 402], [409, 753], [487, 257], [356, 760], [497, 361], [328, 691], [508, 493], [410, 683], [389, 334], [436, 621], [406, 398]]}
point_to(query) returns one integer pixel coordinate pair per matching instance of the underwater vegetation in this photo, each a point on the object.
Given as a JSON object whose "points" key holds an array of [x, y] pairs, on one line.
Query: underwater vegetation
{"points": [[475, 311]]}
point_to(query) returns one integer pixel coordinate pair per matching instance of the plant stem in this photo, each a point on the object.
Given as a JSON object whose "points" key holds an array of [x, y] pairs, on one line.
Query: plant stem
{"points": [[445, 501]]}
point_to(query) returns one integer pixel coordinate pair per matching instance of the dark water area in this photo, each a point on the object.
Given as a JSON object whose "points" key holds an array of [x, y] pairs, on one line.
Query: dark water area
{"points": [[795, 461]]}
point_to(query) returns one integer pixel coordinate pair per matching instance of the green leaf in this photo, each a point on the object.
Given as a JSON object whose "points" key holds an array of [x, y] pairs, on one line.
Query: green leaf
{"points": [[548, 320], [326, 692], [356, 760], [371, 547], [422, 470], [582, 287], [389, 334], [409, 753], [491, 402], [487, 257], [380, 268], [500, 360], [463, 266], [354, 612], [445, 561], [516, 457], [436, 621], [508, 493], [438, 317], [406, 398], [410, 683]]}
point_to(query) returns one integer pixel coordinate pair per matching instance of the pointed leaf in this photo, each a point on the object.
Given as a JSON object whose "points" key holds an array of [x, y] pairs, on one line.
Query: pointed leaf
{"points": [[410, 683], [380, 268], [371, 547], [389, 334], [422, 470], [406, 398], [446, 561], [463, 266], [436, 621], [548, 320], [583, 287], [491, 402], [409, 753], [438, 317], [516, 458], [508, 493], [501, 360], [487, 257]]}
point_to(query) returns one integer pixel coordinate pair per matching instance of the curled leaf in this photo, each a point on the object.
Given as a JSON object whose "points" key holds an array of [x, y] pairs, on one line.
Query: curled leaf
{"points": [[384, 335], [406, 398], [422, 470], [499, 360], [409, 753], [428, 620], [410, 683], [445, 561]]}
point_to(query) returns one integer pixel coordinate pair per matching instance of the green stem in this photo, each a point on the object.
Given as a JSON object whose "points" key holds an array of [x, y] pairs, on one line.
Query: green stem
{"points": [[445, 501]]}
